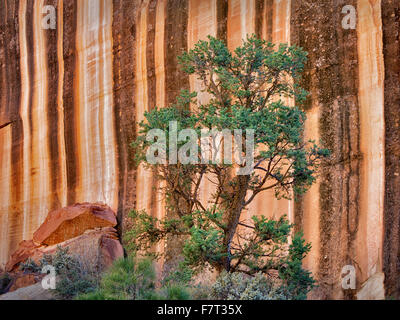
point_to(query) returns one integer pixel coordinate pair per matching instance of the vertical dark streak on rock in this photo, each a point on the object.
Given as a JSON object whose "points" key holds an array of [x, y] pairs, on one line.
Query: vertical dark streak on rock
{"points": [[222, 20], [259, 18], [391, 50], [150, 58], [11, 92], [52, 110], [4, 88], [331, 76], [350, 140], [151, 81], [176, 25], [298, 38], [175, 44], [269, 15], [124, 61], [69, 49], [31, 72]]}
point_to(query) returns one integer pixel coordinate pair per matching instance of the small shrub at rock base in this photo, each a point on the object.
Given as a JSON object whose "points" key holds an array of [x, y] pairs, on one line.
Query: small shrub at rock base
{"points": [[134, 279], [127, 279], [30, 266], [238, 286], [74, 276], [175, 291]]}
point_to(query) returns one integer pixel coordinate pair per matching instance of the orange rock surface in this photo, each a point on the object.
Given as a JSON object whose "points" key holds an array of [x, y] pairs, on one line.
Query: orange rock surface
{"points": [[24, 280], [70, 222], [25, 250]]}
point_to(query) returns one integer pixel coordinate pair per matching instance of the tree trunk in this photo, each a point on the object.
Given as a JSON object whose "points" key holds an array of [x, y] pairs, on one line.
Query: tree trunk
{"points": [[234, 209]]}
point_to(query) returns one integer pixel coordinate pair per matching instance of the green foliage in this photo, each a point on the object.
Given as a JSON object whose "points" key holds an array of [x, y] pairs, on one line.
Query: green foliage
{"points": [[175, 291], [127, 279], [298, 282], [200, 291], [238, 286], [134, 279], [249, 89], [182, 273], [30, 266], [74, 276]]}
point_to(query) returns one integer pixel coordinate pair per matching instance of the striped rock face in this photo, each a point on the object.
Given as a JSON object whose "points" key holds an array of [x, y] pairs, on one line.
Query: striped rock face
{"points": [[69, 98]]}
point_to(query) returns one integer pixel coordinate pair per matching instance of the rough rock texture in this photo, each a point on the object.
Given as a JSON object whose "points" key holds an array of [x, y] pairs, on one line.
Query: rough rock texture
{"points": [[70, 222], [373, 288], [25, 250], [124, 39], [22, 280], [34, 292], [69, 98], [343, 214], [391, 49]]}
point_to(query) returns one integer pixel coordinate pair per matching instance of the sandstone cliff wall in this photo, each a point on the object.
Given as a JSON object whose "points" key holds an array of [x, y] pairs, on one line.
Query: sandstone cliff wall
{"points": [[69, 97]]}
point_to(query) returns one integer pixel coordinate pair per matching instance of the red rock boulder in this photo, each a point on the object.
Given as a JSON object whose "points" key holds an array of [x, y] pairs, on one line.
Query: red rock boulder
{"points": [[70, 222], [97, 248]]}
